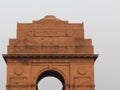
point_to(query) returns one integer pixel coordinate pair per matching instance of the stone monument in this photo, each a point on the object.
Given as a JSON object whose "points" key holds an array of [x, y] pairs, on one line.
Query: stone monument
{"points": [[50, 47]]}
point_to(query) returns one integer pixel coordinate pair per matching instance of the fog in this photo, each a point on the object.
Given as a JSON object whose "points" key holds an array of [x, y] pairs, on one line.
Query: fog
{"points": [[101, 23]]}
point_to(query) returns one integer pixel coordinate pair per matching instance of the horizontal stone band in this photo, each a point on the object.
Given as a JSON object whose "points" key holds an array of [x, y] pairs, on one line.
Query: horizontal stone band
{"points": [[14, 56]]}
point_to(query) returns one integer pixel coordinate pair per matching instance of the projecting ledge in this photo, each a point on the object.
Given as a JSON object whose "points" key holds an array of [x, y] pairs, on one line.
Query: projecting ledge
{"points": [[70, 56]]}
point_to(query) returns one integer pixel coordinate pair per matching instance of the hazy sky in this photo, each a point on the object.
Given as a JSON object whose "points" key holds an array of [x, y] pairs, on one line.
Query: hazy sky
{"points": [[101, 22]]}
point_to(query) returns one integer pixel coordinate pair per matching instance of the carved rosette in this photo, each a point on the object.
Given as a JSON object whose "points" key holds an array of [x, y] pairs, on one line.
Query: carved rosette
{"points": [[82, 70], [18, 71]]}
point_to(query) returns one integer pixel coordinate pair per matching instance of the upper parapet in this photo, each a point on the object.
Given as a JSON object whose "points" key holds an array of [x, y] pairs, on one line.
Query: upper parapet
{"points": [[50, 26], [50, 35]]}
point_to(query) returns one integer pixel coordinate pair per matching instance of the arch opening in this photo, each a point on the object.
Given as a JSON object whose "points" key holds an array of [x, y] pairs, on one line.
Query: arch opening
{"points": [[49, 78]]}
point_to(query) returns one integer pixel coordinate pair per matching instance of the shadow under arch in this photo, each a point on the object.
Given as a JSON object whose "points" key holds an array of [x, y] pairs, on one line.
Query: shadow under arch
{"points": [[51, 73]]}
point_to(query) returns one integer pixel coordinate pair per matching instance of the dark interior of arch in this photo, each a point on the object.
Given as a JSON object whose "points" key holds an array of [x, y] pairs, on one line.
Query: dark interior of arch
{"points": [[51, 73]]}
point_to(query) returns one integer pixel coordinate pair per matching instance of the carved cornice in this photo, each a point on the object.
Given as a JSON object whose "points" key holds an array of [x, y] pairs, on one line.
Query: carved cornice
{"points": [[67, 56]]}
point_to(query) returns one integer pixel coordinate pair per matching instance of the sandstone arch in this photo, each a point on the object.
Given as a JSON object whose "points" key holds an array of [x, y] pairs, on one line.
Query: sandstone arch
{"points": [[53, 46], [54, 74]]}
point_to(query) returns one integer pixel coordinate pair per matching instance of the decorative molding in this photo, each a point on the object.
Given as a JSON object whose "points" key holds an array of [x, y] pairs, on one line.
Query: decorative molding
{"points": [[68, 85], [78, 81], [39, 73], [18, 71], [62, 73], [33, 85], [51, 56], [81, 71]]}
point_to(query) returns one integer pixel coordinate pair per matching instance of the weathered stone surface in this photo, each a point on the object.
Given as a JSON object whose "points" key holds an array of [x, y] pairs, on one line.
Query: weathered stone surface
{"points": [[50, 47]]}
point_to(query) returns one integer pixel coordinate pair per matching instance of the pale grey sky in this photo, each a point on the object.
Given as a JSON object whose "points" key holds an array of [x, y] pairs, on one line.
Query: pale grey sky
{"points": [[101, 22]]}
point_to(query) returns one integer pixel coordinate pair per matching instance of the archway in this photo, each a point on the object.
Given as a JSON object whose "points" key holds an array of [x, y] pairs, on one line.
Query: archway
{"points": [[35, 50], [49, 83], [51, 74]]}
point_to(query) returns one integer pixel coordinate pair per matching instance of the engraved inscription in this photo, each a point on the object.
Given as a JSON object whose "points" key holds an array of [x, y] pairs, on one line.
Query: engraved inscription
{"points": [[49, 33]]}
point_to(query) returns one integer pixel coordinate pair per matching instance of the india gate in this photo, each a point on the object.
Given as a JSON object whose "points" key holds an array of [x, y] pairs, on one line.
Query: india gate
{"points": [[50, 47]]}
